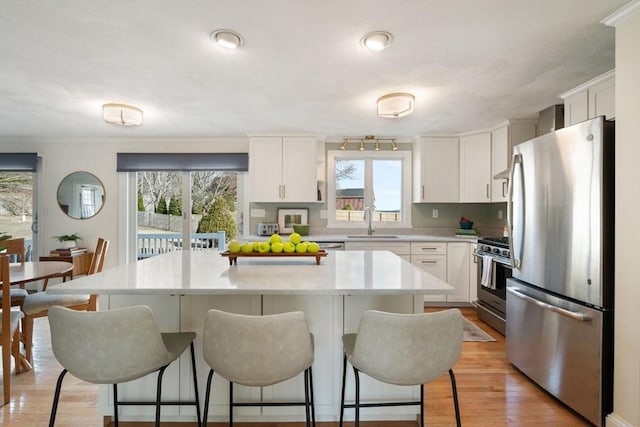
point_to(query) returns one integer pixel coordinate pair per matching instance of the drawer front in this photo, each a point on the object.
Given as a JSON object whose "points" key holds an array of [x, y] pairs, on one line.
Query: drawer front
{"points": [[425, 248], [398, 248]]}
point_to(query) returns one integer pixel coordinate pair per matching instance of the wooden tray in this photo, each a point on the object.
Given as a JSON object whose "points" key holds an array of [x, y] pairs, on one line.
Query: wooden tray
{"points": [[233, 258]]}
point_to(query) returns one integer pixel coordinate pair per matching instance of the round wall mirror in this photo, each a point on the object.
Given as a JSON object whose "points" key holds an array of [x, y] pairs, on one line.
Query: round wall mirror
{"points": [[81, 195]]}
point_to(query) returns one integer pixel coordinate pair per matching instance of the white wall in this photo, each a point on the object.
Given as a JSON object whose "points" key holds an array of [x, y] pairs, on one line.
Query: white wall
{"points": [[627, 319], [60, 158]]}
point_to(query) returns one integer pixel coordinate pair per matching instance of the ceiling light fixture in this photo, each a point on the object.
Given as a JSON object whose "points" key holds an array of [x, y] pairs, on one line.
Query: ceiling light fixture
{"points": [[226, 38], [395, 105], [362, 142], [376, 40], [122, 114]]}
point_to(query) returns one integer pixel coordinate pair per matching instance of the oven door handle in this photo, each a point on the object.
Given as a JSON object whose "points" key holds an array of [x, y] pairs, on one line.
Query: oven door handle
{"points": [[561, 311]]}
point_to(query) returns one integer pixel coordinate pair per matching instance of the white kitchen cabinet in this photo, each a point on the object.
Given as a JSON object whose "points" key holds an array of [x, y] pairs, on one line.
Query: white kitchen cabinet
{"points": [[503, 138], [576, 108], [475, 168], [402, 249], [458, 271], [435, 170], [591, 99], [431, 257], [283, 169]]}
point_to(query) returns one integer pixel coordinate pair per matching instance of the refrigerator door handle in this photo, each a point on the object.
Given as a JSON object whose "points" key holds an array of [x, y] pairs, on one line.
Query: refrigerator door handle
{"points": [[516, 160], [561, 311]]}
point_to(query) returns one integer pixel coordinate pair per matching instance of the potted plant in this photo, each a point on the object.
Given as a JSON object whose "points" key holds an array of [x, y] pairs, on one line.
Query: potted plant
{"points": [[3, 237], [68, 240]]}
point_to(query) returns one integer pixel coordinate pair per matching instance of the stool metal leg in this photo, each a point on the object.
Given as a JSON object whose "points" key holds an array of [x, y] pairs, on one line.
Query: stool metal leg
{"points": [[159, 394], [56, 398], [455, 397], [230, 404], [344, 380], [357, 421], [206, 398], [115, 404], [195, 383], [313, 407], [422, 405], [307, 409]]}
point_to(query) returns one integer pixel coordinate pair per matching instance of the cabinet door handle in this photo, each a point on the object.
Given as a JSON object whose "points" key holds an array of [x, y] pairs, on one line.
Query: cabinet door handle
{"points": [[504, 188], [429, 262], [428, 249], [422, 193], [284, 191], [488, 195], [279, 191]]}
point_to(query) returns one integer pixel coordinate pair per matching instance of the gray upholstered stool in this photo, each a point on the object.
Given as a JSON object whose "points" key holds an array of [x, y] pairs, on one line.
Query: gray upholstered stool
{"points": [[259, 351], [116, 346], [403, 349]]}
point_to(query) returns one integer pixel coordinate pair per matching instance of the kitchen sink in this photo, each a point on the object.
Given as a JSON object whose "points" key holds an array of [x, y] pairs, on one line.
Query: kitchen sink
{"points": [[373, 236]]}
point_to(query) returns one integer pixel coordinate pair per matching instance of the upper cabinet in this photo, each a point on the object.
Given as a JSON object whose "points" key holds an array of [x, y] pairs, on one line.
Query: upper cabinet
{"points": [[435, 170], [591, 99], [283, 169], [503, 138], [475, 168]]}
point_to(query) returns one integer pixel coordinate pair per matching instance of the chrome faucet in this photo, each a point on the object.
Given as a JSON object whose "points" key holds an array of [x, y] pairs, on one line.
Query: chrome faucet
{"points": [[368, 213]]}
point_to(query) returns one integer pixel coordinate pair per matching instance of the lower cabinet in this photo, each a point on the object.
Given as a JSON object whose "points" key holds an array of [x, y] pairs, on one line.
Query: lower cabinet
{"points": [[431, 257], [451, 262]]}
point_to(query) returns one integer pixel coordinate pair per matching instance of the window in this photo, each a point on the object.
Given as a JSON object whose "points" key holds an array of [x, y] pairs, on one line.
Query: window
{"points": [[378, 180]]}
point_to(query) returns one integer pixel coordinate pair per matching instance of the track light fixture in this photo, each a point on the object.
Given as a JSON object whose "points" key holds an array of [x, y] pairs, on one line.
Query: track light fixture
{"points": [[369, 139]]}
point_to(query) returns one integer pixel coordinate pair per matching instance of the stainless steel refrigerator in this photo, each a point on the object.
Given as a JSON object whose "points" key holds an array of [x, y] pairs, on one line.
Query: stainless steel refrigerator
{"points": [[559, 322]]}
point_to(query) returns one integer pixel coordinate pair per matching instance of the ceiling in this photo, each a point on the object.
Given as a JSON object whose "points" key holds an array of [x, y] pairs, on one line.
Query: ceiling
{"points": [[471, 64]]}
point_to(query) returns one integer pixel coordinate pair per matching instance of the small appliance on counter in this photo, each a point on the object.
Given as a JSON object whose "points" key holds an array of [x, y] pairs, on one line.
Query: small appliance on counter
{"points": [[267, 228]]}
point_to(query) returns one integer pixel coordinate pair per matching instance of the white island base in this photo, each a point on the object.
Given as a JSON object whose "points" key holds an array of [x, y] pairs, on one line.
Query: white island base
{"points": [[181, 288]]}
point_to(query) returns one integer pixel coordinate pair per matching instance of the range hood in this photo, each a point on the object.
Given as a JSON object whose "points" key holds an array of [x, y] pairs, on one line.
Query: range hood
{"points": [[549, 120]]}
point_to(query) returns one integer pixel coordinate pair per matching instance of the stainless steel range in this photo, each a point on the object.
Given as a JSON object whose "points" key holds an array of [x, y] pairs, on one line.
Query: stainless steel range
{"points": [[494, 268]]}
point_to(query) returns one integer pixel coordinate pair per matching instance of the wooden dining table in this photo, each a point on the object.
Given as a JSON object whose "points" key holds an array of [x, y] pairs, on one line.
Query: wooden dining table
{"points": [[22, 273]]}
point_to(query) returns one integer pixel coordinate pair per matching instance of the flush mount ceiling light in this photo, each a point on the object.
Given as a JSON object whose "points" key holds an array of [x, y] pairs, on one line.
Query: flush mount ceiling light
{"points": [[122, 114], [395, 105], [377, 40], [226, 38], [368, 140]]}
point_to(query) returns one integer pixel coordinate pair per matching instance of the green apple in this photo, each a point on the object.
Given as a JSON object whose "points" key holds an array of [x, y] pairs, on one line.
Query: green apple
{"points": [[256, 246], [264, 247], [295, 238], [234, 246], [301, 248], [313, 247], [246, 248], [277, 247], [288, 247], [275, 238]]}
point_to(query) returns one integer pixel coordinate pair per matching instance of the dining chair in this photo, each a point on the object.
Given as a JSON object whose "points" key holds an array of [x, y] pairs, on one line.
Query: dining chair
{"points": [[15, 250], [258, 351], [38, 304], [9, 334], [116, 346], [403, 349]]}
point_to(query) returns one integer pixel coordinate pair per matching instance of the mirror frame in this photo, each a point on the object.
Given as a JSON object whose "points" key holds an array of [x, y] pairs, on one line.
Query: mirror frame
{"points": [[69, 185]]}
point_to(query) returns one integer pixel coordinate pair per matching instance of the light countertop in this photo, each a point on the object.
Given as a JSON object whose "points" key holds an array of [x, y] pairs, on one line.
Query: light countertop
{"points": [[322, 238], [209, 273]]}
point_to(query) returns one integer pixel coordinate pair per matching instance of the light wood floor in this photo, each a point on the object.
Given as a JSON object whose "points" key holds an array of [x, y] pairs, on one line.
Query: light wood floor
{"points": [[491, 392]]}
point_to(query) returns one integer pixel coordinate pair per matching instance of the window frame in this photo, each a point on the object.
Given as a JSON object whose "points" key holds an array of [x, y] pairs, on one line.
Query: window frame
{"points": [[405, 191]]}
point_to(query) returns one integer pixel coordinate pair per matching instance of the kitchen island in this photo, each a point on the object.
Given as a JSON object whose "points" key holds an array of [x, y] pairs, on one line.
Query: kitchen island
{"points": [[181, 286]]}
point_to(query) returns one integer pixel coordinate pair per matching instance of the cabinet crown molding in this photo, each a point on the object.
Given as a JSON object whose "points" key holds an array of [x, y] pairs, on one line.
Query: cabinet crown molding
{"points": [[589, 83]]}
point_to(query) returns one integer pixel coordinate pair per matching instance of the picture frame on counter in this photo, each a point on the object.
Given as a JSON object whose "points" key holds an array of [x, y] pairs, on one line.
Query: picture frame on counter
{"points": [[287, 218]]}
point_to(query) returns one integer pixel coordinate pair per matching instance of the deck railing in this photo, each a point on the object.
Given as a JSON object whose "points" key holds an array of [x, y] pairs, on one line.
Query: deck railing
{"points": [[152, 244]]}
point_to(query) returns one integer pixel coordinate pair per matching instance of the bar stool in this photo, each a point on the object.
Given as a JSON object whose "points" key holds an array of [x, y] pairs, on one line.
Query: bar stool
{"points": [[258, 351], [116, 346], [403, 349]]}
